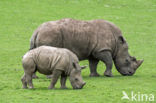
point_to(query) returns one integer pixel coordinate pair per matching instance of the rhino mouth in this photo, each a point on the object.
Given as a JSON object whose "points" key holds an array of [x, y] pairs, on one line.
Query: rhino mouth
{"points": [[79, 87], [130, 74], [127, 73]]}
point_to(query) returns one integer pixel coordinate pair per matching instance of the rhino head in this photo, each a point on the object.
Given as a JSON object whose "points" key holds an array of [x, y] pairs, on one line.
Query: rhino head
{"points": [[75, 76], [125, 64]]}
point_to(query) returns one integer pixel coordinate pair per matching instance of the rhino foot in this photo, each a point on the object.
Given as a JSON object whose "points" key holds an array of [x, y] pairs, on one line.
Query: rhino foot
{"points": [[31, 87], [64, 87], [94, 75], [51, 88], [108, 74], [25, 87]]}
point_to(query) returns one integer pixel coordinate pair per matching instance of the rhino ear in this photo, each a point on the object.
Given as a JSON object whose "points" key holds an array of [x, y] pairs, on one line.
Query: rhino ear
{"points": [[121, 39], [74, 65], [133, 58]]}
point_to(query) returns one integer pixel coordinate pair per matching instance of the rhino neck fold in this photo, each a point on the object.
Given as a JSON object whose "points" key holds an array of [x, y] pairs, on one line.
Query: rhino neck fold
{"points": [[68, 71], [69, 68], [115, 49]]}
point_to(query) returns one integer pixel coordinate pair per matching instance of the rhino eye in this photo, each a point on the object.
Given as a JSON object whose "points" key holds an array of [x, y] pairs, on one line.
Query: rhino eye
{"points": [[127, 62], [134, 59], [76, 79]]}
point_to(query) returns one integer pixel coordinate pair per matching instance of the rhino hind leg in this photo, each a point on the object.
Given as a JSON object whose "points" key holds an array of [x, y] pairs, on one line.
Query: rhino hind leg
{"points": [[93, 67], [29, 80], [29, 68], [106, 57], [56, 74], [63, 81], [23, 80]]}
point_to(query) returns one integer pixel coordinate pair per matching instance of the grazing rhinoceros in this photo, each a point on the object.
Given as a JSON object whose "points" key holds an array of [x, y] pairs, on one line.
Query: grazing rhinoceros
{"points": [[50, 60], [93, 40]]}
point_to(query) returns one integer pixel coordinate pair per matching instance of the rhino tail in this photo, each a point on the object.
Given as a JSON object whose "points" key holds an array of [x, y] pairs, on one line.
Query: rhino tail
{"points": [[33, 40]]}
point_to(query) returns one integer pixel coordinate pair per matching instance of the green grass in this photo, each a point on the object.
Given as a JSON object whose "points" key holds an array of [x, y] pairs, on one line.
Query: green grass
{"points": [[18, 20]]}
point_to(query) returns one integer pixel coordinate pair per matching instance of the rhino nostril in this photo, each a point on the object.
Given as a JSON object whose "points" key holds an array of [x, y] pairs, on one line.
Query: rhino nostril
{"points": [[130, 72]]}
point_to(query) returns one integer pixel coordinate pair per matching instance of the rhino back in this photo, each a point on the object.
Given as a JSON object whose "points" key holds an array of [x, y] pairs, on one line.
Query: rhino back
{"points": [[48, 58], [49, 34], [107, 35], [79, 37], [84, 38]]}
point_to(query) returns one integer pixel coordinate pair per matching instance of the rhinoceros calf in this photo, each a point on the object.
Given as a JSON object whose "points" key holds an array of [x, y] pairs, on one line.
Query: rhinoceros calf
{"points": [[93, 40], [50, 60]]}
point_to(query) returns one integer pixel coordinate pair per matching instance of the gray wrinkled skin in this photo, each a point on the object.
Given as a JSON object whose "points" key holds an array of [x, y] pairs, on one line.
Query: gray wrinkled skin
{"points": [[51, 60], [94, 40]]}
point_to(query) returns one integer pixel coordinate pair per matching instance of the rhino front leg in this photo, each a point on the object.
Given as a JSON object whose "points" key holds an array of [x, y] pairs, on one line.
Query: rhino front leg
{"points": [[56, 74], [93, 66], [106, 57], [63, 81]]}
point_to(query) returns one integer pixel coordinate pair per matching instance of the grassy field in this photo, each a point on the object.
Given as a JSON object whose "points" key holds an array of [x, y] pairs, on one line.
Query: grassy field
{"points": [[18, 20]]}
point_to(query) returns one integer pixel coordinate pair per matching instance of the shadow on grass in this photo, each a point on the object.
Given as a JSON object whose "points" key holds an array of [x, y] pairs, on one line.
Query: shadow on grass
{"points": [[115, 76], [46, 89], [101, 76]]}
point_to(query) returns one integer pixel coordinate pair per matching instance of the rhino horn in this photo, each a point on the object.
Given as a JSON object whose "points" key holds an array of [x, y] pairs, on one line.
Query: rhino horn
{"points": [[139, 62]]}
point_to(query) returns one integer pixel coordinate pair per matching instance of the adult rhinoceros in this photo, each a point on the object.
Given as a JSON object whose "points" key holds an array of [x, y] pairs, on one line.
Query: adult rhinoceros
{"points": [[93, 40]]}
